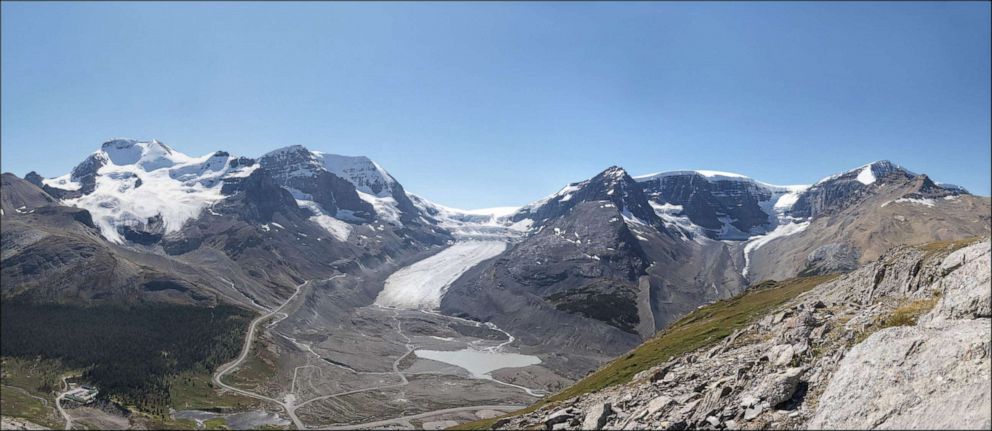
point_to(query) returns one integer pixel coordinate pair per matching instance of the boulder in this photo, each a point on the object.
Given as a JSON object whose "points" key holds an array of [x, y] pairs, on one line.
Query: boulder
{"points": [[965, 289], [596, 416], [560, 416], [753, 412], [777, 387], [655, 405]]}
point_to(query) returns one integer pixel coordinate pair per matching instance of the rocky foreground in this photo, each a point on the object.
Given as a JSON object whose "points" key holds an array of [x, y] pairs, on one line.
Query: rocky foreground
{"points": [[903, 342]]}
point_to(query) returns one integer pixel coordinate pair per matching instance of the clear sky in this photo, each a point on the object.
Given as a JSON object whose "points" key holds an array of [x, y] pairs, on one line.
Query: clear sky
{"points": [[490, 104]]}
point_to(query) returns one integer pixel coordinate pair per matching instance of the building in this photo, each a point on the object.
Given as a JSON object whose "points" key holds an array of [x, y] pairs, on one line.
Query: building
{"points": [[83, 394]]}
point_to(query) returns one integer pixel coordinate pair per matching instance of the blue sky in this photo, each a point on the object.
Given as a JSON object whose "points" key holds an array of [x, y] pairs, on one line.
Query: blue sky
{"points": [[490, 104]]}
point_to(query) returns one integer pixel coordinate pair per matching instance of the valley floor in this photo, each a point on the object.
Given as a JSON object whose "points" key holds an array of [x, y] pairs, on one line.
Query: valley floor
{"points": [[317, 364], [326, 358]]}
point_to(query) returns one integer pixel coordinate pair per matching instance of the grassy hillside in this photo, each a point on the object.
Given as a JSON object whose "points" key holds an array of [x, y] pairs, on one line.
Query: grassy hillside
{"points": [[698, 329]]}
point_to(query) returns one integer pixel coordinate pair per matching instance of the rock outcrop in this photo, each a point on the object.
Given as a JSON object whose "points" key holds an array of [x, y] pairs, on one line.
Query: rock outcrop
{"points": [[935, 375], [903, 342]]}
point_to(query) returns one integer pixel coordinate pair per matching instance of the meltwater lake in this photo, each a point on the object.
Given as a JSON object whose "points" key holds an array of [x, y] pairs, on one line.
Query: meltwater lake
{"points": [[479, 363]]}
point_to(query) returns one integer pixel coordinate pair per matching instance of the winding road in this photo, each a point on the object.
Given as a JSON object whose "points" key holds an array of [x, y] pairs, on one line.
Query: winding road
{"points": [[223, 370], [58, 404]]}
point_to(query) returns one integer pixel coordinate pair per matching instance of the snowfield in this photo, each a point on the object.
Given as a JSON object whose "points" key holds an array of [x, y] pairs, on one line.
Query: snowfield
{"points": [[141, 180], [420, 286]]}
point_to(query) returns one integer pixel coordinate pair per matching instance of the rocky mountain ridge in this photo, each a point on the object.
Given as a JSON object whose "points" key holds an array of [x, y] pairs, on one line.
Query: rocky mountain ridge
{"points": [[595, 259], [248, 219]]}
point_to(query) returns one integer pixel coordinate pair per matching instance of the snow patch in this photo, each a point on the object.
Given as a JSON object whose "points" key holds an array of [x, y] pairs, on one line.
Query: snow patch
{"points": [[493, 212], [866, 176], [337, 228], [925, 202], [385, 207]]}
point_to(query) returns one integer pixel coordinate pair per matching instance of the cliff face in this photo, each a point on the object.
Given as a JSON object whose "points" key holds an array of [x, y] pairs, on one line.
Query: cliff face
{"points": [[903, 342]]}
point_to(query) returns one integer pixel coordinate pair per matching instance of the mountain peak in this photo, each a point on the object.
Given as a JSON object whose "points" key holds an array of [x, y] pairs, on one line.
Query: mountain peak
{"points": [[365, 174], [612, 175], [613, 185], [614, 171], [149, 155], [290, 150], [870, 173], [883, 168]]}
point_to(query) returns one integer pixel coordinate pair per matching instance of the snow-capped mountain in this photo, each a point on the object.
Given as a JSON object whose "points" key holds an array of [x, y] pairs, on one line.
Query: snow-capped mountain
{"points": [[720, 205], [140, 191], [612, 187], [347, 189], [598, 270], [137, 188], [837, 192], [305, 175], [366, 175]]}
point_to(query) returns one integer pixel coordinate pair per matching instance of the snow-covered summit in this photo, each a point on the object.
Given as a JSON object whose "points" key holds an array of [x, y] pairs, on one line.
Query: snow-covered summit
{"points": [[868, 174], [366, 175], [718, 176], [613, 186], [711, 175], [149, 155], [137, 184]]}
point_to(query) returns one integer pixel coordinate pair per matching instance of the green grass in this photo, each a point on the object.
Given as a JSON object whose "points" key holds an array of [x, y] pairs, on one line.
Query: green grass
{"points": [[907, 314], [258, 368], [948, 246], [696, 330], [152, 422], [194, 390], [18, 404], [38, 377], [215, 424]]}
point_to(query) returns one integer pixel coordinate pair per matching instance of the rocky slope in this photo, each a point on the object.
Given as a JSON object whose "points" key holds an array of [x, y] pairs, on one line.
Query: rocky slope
{"points": [[903, 342], [56, 253]]}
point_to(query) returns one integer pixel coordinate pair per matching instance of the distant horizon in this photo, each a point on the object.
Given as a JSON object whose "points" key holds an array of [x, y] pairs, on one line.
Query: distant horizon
{"points": [[479, 105]]}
